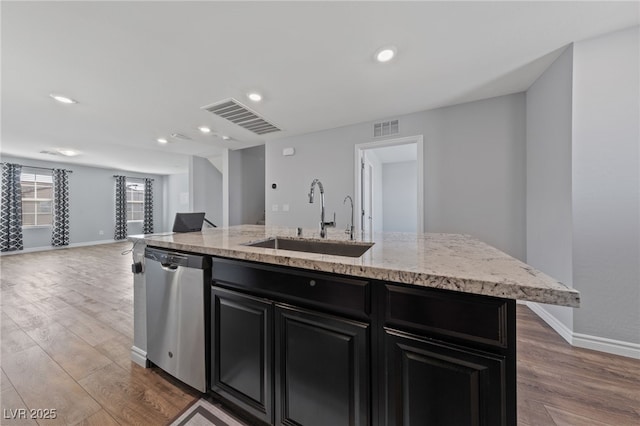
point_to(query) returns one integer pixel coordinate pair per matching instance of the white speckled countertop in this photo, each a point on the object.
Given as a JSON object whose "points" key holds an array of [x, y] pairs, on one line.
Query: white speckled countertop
{"points": [[447, 261]]}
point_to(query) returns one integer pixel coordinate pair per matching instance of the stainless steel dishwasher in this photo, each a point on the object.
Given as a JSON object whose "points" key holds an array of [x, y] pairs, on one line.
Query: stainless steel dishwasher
{"points": [[176, 306]]}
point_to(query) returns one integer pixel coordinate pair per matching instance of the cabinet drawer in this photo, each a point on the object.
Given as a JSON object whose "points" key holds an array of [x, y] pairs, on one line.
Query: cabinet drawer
{"points": [[472, 318], [338, 294]]}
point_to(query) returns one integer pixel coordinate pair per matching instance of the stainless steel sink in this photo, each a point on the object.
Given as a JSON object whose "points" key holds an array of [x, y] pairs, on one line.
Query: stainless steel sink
{"points": [[336, 248]]}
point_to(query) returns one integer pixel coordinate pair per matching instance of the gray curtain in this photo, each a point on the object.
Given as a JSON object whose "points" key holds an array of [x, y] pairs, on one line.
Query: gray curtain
{"points": [[60, 225], [11, 220], [147, 226], [121, 208]]}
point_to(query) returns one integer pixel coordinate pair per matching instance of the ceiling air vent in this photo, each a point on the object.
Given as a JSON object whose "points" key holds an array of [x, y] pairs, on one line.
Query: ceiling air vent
{"points": [[385, 128], [50, 152], [239, 114]]}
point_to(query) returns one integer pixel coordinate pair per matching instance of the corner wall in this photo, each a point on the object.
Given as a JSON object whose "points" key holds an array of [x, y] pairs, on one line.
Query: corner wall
{"points": [[606, 186], [583, 189], [549, 213], [205, 183]]}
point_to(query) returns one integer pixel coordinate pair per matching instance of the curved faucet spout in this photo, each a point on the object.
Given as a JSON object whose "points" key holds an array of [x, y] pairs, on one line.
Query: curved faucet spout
{"points": [[350, 226], [313, 185]]}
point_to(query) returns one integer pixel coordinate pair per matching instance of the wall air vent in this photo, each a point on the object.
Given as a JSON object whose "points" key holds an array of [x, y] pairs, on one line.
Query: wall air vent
{"points": [[385, 128], [239, 114]]}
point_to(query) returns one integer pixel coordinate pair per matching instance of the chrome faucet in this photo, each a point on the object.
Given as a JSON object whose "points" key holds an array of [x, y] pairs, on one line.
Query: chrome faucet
{"points": [[323, 225], [349, 229]]}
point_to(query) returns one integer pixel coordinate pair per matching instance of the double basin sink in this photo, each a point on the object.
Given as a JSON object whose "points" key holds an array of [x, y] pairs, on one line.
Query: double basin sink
{"points": [[335, 248]]}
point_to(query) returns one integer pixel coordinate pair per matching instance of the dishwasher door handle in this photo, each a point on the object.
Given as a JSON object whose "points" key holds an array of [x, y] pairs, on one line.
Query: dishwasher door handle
{"points": [[169, 267]]}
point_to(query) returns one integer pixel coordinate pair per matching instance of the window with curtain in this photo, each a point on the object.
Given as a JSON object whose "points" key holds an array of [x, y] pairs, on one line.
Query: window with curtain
{"points": [[37, 198], [135, 201]]}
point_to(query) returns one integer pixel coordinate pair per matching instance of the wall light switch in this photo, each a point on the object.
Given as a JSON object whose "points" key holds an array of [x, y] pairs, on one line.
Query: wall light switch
{"points": [[274, 207], [285, 207]]}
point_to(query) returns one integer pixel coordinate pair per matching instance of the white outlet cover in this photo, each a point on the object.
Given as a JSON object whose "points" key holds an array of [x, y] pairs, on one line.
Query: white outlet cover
{"points": [[285, 207], [274, 207]]}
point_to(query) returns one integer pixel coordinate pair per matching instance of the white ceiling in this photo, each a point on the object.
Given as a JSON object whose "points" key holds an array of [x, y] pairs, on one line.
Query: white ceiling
{"points": [[142, 70]]}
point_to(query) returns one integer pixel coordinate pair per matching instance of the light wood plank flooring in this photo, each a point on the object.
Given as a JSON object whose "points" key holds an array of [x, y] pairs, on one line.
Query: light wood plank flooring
{"points": [[66, 333]]}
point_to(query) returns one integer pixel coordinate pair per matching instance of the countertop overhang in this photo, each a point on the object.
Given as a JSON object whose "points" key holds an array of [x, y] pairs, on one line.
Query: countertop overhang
{"points": [[445, 261]]}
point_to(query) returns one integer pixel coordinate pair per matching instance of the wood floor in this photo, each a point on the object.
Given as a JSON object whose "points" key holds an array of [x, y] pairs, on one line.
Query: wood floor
{"points": [[66, 333]]}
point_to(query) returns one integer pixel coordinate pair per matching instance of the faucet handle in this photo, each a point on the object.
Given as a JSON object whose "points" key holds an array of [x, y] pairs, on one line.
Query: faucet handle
{"points": [[331, 224]]}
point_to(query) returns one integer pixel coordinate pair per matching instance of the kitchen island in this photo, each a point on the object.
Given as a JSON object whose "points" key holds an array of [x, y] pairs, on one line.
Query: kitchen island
{"points": [[420, 329]]}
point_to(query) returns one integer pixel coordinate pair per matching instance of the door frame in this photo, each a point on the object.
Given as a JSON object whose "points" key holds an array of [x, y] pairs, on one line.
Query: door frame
{"points": [[359, 152]]}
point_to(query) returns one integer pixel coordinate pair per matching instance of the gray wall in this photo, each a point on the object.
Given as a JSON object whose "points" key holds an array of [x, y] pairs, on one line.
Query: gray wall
{"points": [[205, 183], [606, 189], [177, 198], [91, 204], [549, 220], [246, 185], [253, 184], [399, 204], [474, 171]]}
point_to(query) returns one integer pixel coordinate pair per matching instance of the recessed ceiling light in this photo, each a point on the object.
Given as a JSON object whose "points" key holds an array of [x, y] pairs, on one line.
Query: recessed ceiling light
{"points": [[67, 152], [204, 129], [161, 140], [225, 137], [254, 96], [63, 99], [386, 54]]}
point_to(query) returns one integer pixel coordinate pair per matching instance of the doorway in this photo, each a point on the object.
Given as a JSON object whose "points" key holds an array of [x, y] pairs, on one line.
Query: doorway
{"points": [[389, 185]]}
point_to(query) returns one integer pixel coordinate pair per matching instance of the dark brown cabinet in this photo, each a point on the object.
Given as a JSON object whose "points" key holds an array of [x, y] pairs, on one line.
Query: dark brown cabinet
{"points": [[242, 351], [433, 383], [322, 369], [299, 348]]}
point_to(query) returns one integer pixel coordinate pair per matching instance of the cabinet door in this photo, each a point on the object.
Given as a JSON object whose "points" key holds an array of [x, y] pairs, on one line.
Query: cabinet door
{"points": [[242, 348], [322, 369], [432, 383]]}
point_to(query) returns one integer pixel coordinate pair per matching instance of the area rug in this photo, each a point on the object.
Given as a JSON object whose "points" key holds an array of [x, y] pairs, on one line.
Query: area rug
{"points": [[204, 413]]}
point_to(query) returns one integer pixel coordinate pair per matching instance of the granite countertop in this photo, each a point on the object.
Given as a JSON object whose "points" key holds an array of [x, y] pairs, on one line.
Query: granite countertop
{"points": [[446, 261]]}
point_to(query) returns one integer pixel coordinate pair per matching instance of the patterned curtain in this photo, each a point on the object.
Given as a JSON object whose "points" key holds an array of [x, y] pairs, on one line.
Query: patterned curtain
{"points": [[121, 208], [11, 220], [60, 231], [147, 226]]}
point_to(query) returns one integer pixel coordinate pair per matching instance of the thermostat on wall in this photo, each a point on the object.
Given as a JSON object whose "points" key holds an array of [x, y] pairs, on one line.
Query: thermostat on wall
{"points": [[288, 152]]}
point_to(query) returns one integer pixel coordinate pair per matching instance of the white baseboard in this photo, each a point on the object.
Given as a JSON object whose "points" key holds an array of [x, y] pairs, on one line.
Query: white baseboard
{"points": [[610, 346], [553, 322], [139, 356], [47, 248], [586, 341]]}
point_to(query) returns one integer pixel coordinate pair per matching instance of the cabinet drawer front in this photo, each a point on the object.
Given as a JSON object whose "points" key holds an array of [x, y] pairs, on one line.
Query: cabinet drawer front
{"points": [[338, 294], [472, 318]]}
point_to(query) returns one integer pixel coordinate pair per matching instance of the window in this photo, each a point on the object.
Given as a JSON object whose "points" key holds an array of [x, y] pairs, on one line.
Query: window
{"points": [[37, 193], [135, 201]]}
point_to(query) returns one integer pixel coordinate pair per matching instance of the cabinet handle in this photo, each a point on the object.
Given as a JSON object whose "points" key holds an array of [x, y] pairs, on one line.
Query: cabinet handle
{"points": [[312, 283]]}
